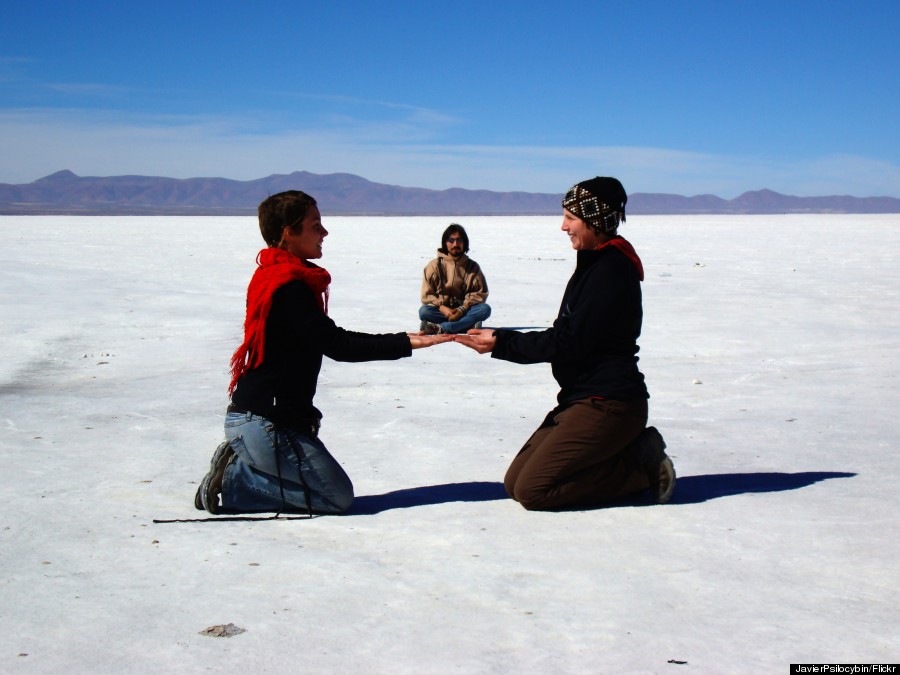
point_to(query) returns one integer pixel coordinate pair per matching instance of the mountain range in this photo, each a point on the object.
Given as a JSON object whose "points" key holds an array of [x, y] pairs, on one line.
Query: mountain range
{"points": [[346, 194]]}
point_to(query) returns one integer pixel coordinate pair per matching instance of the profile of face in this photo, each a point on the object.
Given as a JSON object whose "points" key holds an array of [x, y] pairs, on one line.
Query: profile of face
{"points": [[455, 244], [305, 240], [582, 235]]}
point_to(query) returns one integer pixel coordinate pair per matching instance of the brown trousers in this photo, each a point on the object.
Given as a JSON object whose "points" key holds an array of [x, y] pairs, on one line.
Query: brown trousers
{"points": [[580, 457]]}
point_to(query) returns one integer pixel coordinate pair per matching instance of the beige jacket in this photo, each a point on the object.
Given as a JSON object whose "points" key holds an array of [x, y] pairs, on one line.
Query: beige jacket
{"points": [[453, 282]]}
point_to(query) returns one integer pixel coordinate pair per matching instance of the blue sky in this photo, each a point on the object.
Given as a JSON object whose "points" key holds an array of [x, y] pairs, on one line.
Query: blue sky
{"points": [[684, 97]]}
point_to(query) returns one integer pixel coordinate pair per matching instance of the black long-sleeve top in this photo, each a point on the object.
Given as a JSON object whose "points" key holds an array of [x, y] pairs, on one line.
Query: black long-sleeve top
{"points": [[592, 346], [298, 334]]}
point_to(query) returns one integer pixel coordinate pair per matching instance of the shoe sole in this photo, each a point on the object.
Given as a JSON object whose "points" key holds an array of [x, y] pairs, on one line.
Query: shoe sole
{"points": [[211, 486], [666, 469]]}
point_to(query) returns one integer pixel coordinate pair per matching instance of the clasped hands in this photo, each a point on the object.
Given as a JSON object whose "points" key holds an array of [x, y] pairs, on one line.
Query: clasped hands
{"points": [[454, 314]]}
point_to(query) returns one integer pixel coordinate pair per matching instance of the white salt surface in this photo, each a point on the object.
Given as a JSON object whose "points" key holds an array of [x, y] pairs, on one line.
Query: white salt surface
{"points": [[771, 348]]}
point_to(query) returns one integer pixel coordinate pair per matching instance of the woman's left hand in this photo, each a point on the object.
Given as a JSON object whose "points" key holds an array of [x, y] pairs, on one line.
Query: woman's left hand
{"points": [[420, 340]]}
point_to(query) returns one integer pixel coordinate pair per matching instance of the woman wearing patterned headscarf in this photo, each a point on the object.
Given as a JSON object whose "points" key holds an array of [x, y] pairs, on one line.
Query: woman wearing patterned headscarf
{"points": [[594, 446]]}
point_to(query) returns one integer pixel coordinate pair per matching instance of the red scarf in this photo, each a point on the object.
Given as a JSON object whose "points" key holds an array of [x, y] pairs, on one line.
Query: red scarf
{"points": [[275, 268], [627, 249]]}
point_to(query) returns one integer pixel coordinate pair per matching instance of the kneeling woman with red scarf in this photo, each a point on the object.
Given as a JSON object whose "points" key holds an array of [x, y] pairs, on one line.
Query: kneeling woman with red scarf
{"points": [[272, 459]]}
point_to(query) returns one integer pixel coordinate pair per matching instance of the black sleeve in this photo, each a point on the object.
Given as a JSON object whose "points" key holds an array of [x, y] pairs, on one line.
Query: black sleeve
{"points": [[314, 330], [588, 304]]}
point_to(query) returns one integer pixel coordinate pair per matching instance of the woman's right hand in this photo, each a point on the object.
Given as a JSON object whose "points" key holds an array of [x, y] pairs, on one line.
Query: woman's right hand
{"points": [[482, 340]]}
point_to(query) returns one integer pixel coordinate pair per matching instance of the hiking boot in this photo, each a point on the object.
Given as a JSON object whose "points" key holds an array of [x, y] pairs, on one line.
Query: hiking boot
{"points": [[210, 488], [430, 328], [198, 497], [650, 452]]}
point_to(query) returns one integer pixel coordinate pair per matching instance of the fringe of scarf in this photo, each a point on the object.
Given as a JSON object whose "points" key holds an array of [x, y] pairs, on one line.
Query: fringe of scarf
{"points": [[625, 247], [276, 267]]}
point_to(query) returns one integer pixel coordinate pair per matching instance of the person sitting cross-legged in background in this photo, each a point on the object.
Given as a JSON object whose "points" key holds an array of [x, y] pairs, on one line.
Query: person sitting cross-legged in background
{"points": [[454, 289]]}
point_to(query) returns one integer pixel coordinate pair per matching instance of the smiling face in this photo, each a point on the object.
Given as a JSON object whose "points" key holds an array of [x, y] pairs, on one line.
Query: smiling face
{"points": [[582, 235], [305, 239]]}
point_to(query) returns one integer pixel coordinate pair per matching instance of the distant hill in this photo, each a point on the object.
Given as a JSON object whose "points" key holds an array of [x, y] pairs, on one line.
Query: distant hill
{"points": [[346, 194]]}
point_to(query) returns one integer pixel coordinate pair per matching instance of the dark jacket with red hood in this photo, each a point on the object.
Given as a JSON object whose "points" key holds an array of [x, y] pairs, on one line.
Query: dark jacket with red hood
{"points": [[592, 346]]}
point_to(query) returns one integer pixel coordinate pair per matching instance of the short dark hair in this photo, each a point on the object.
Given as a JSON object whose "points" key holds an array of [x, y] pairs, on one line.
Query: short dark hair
{"points": [[280, 210], [455, 228]]}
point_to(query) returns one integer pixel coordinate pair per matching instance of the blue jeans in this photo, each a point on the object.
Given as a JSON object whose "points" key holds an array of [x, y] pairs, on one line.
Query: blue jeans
{"points": [[279, 468], [475, 314]]}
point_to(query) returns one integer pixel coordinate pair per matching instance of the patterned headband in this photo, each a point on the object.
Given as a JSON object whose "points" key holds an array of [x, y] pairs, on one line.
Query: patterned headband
{"points": [[596, 213]]}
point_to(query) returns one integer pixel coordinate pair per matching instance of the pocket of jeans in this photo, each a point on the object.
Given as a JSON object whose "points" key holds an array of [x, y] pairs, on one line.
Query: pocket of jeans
{"points": [[234, 420], [239, 447]]}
